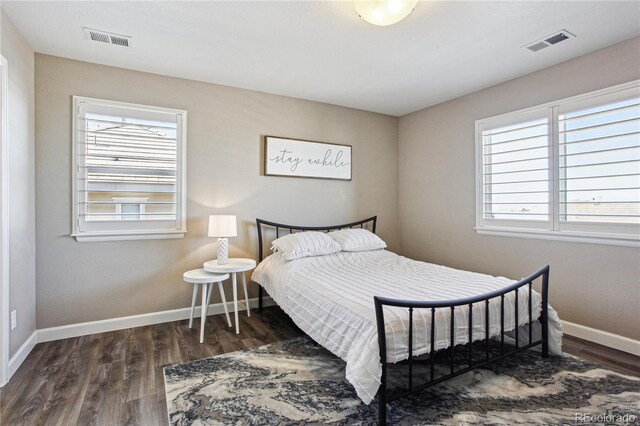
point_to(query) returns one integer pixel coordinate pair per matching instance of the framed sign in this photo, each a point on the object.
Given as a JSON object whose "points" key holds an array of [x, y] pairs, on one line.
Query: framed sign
{"points": [[300, 158]]}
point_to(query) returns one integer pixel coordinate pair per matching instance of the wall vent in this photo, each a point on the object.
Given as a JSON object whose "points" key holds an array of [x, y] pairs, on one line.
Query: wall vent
{"points": [[109, 38], [549, 40]]}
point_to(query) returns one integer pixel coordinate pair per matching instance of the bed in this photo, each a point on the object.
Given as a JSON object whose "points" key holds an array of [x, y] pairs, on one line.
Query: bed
{"points": [[375, 308]]}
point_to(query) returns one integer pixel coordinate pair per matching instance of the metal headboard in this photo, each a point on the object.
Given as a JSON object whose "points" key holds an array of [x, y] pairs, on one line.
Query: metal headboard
{"points": [[369, 223]]}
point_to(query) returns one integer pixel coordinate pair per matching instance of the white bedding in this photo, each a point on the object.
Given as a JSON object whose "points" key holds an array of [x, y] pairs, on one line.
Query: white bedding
{"points": [[331, 299]]}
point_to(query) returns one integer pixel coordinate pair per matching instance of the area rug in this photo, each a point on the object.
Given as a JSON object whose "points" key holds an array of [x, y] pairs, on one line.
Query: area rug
{"points": [[297, 382]]}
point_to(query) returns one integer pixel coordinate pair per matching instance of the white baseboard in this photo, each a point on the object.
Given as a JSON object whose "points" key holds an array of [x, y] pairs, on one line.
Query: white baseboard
{"points": [[18, 358], [82, 329], [121, 323], [605, 338], [113, 324]]}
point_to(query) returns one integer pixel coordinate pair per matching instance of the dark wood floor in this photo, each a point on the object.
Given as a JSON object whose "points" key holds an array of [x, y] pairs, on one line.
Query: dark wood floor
{"points": [[611, 359], [116, 378]]}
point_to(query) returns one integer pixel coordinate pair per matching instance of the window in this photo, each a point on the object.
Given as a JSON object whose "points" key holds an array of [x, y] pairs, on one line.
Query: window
{"points": [[129, 208], [128, 165], [564, 170]]}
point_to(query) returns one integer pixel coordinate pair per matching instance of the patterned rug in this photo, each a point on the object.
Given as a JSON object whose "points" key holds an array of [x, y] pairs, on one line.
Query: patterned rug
{"points": [[298, 382]]}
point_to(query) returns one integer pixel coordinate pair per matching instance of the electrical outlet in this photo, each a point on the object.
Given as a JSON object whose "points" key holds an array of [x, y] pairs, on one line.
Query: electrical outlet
{"points": [[14, 319]]}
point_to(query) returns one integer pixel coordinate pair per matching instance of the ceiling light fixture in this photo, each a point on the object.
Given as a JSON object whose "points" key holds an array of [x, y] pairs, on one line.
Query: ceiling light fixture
{"points": [[385, 12]]}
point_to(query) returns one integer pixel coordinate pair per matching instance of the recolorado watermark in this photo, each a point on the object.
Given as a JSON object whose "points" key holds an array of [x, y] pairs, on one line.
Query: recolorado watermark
{"points": [[605, 418]]}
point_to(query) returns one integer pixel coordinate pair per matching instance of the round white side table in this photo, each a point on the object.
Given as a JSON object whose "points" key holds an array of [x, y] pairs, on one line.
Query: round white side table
{"points": [[199, 277], [234, 266]]}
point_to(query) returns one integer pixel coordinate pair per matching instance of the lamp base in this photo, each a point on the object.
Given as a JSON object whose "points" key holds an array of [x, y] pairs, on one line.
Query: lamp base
{"points": [[223, 251]]}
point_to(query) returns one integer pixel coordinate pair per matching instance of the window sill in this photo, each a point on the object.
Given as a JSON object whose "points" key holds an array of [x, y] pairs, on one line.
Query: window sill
{"points": [[86, 237], [574, 237]]}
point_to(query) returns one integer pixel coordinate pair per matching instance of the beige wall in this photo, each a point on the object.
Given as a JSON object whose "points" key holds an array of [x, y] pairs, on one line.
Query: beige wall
{"points": [[20, 155], [92, 281], [593, 285]]}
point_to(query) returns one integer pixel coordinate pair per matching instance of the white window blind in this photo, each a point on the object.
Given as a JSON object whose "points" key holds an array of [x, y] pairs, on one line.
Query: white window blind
{"points": [[566, 170], [128, 168], [515, 171], [600, 160]]}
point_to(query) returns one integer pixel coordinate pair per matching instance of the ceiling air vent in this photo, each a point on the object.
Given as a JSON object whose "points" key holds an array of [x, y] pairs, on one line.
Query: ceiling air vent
{"points": [[109, 38], [549, 40]]}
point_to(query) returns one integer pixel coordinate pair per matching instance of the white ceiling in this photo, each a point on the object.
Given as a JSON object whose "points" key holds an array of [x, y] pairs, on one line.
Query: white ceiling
{"points": [[323, 51]]}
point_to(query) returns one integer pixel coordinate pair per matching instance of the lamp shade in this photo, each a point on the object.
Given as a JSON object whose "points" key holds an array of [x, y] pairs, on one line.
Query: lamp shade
{"points": [[222, 226], [384, 12]]}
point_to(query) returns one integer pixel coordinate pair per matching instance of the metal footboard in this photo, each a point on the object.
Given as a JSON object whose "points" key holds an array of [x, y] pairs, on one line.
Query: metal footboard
{"points": [[385, 397]]}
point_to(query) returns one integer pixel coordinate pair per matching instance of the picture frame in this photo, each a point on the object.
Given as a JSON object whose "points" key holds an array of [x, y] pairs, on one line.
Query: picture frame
{"points": [[287, 157]]}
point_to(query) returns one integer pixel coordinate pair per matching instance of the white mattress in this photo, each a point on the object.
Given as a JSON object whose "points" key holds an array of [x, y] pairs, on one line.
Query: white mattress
{"points": [[331, 299]]}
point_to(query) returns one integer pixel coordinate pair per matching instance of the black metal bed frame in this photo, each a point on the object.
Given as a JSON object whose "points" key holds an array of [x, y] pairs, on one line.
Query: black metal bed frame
{"points": [[384, 396], [380, 302], [369, 223]]}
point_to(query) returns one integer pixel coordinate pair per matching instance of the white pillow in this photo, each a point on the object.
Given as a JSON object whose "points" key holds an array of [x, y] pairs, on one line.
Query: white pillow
{"points": [[303, 244], [358, 239]]}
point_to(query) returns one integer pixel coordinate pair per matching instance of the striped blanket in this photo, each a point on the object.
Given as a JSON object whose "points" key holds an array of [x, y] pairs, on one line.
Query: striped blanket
{"points": [[331, 299]]}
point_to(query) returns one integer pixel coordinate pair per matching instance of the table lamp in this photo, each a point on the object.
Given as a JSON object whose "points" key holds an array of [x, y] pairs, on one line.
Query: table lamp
{"points": [[223, 226]]}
